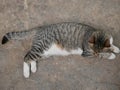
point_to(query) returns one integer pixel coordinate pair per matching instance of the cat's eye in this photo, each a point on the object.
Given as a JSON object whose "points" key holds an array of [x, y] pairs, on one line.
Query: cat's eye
{"points": [[106, 49], [91, 44]]}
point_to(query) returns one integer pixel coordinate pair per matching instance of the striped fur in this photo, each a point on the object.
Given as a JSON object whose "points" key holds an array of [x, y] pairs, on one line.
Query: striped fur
{"points": [[67, 38]]}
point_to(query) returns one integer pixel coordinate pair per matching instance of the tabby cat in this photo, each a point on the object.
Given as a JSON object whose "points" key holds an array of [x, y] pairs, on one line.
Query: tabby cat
{"points": [[63, 39]]}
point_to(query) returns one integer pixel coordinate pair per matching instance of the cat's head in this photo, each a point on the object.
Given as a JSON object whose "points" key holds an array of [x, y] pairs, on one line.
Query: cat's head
{"points": [[100, 42]]}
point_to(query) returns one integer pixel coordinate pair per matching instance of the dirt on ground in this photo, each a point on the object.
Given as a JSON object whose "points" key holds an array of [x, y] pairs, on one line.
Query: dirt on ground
{"points": [[71, 72]]}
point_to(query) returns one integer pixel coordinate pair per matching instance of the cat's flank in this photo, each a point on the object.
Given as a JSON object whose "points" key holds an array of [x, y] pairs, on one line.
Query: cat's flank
{"points": [[63, 39]]}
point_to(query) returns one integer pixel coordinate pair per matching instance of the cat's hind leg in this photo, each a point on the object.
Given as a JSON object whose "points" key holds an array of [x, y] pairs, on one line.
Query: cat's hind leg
{"points": [[30, 63], [29, 67], [26, 69], [33, 66]]}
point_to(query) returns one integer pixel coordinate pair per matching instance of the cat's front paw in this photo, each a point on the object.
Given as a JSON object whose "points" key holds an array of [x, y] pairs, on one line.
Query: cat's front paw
{"points": [[115, 49], [107, 55], [112, 56]]}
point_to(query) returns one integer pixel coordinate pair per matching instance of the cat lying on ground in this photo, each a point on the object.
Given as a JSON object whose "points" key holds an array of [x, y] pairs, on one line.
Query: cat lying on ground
{"points": [[63, 39]]}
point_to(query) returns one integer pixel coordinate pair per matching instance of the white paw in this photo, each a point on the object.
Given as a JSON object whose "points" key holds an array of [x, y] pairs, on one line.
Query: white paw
{"points": [[26, 70], [112, 56], [33, 66], [115, 49]]}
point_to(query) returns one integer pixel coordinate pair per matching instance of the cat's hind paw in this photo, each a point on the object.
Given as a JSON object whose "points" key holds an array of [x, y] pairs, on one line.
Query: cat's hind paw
{"points": [[26, 70], [33, 66]]}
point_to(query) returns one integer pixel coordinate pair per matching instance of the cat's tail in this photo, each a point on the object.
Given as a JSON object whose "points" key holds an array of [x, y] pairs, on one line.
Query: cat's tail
{"points": [[18, 35]]}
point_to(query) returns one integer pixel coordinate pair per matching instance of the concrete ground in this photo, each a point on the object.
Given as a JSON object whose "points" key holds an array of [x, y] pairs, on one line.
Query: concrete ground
{"points": [[58, 73]]}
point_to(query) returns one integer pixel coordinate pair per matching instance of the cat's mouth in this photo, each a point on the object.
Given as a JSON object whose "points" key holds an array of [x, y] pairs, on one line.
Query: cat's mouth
{"points": [[96, 54]]}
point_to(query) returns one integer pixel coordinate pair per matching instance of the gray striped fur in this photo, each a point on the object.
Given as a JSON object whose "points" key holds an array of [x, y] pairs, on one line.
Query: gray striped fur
{"points": [[69, 35]]}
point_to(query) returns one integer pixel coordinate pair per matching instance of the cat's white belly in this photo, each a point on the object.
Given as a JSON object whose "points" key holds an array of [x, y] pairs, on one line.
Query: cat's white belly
{"points": [[55, 50]]}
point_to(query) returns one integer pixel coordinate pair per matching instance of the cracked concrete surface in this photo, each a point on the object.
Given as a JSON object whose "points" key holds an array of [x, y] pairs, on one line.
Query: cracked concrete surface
{"points": [[58, 73]]}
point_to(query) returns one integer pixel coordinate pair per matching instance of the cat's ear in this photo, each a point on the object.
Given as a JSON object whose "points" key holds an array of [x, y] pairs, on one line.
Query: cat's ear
{"points": [[107, 43], [92, 39]]}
